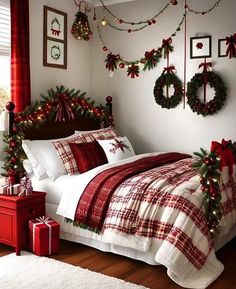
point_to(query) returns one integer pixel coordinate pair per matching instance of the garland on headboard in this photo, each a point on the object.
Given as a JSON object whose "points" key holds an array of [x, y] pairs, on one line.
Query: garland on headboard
{"points": [[60, 105]]}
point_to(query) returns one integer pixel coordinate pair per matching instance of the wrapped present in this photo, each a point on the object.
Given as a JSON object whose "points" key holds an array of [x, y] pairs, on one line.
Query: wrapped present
{"points": [[25, 187], [3, 190], [44, 236], [10, 190]]}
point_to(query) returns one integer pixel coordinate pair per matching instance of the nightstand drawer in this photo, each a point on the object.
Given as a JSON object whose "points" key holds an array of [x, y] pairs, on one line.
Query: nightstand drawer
{"points": [[7, 234]]}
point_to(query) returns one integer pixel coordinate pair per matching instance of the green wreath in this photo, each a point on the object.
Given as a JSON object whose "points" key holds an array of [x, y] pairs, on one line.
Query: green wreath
{"points": [[214, 104], [166, 79]]}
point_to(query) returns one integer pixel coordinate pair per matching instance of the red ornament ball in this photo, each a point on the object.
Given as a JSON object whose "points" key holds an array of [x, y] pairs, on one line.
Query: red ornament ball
{"points": [[13, 160], [121, 65], [12, 144], [174, 2]]}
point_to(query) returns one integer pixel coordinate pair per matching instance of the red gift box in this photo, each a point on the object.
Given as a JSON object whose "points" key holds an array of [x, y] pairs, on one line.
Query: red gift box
{"points": [[44, 236]]}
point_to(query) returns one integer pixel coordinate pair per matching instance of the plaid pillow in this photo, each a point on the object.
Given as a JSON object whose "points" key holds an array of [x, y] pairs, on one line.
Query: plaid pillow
{"points": [[88, 155], [105, 133], [64, 150]]}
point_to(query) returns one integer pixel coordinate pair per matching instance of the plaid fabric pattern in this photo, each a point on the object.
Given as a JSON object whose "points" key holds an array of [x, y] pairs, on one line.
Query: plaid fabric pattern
{"points": [[88, 155], [65, 153], [106, 133], [163, 203], [93, 204]]}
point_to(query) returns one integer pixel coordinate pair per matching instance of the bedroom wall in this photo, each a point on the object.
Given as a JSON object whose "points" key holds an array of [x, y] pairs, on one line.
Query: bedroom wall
{"points": [[78, 72], [148, 126]]}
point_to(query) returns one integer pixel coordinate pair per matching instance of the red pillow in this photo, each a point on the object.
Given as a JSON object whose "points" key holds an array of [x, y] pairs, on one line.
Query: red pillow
{"points": [[88, 155]]}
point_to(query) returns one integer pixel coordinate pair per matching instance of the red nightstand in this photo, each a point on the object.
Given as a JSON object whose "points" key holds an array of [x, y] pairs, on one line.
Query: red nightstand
{"points": [[15, 213]]}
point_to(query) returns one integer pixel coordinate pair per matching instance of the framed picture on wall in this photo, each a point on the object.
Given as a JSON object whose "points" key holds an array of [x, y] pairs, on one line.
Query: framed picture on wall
{"points": [[222, 48], [54, 38], [200, 47]]}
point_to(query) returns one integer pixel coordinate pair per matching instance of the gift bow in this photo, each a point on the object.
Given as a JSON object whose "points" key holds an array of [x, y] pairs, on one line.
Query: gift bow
{"points": [[225, 153], [43, 220]]}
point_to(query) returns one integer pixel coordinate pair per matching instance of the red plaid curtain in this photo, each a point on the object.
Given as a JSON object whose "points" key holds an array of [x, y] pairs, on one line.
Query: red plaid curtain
{"points": [[20, 66]]}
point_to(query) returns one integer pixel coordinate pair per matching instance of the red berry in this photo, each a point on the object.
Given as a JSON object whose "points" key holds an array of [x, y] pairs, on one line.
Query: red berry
{"points": [[104, 48], [120, 21], [149, 22], [129, 30], [153, 21], [174, 2]]}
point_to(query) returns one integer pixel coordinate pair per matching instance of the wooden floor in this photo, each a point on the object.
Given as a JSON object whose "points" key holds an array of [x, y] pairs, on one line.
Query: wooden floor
{"points": [[154, 277]]}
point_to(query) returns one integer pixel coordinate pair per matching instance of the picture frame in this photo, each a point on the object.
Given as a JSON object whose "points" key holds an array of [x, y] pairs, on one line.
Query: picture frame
{"points": [[200, 47], [54, 38], [222, 47]]}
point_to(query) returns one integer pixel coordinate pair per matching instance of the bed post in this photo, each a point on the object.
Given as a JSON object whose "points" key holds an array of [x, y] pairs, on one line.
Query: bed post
{"points": [[10, 106], [110, 116]]}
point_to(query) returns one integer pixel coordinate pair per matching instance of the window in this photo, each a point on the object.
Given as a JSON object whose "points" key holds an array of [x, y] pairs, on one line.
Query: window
{"points": [[5, 51]]}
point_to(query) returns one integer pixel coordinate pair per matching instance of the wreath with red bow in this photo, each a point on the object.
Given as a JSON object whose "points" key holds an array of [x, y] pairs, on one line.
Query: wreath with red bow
{"points": [[206, 107], [167, 79]]}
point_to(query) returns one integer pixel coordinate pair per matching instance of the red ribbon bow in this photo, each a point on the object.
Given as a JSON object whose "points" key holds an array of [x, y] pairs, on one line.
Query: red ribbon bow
{"points": [[64, 110], [231, 49], [166, 42], [169, 69], [206, 66], [149, 54], [225, 153]]}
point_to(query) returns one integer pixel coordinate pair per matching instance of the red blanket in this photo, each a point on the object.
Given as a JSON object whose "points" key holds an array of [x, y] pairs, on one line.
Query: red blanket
{"points": [[93, 205]]}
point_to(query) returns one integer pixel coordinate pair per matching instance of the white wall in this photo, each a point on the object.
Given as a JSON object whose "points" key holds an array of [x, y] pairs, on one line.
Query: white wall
{"points": [[137, 115], [78, 72]]}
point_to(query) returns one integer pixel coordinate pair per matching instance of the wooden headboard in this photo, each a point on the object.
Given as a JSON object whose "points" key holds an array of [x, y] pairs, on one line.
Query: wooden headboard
{"points": [[90, 117]]}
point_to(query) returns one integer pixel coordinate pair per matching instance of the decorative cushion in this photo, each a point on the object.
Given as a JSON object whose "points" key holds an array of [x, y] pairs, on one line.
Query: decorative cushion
{"points": [[88, 155], [64, 150], [44, 158], [117, 149]]}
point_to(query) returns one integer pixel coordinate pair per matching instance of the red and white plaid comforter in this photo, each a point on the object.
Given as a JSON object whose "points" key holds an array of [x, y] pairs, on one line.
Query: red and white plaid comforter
{"points": [[166, 203]]}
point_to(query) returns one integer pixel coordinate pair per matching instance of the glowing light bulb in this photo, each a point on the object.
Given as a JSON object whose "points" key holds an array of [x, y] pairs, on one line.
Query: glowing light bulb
{"points": [[104, 22]]}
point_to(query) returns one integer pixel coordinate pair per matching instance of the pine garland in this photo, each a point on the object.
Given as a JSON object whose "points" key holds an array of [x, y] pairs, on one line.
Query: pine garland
{"points": [[57, 105], [208, 165]]}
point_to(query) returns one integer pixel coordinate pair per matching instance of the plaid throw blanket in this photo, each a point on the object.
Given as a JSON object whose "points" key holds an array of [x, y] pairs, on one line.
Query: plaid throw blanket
{"points": [[93, 205]]}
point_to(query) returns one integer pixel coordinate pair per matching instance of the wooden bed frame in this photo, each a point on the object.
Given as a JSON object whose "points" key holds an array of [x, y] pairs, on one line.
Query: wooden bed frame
{"points": [[52, 129]]}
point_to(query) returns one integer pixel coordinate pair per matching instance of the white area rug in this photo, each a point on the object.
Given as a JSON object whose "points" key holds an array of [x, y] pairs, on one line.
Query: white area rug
{"points": [[32, 272]]}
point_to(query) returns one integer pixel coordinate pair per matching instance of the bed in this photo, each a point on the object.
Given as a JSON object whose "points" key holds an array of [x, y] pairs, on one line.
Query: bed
{"points": [[136, 223]]}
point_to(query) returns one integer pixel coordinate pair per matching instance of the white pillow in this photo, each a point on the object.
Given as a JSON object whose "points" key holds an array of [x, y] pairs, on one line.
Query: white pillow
{"points": [[117, 149], [27, 166], [37, 168], [44, 158]]}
